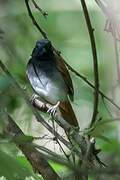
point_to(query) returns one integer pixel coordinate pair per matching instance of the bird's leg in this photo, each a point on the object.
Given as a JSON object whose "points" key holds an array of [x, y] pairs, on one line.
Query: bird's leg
{"points": [[52, 110]]}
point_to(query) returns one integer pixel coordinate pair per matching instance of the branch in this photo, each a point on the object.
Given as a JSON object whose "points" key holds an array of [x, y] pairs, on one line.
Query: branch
{"points": [[60, 121], [69, 67], [95, 61], [38, 162], [90, 147], [102, 6], [34, 21], [39, 9]]}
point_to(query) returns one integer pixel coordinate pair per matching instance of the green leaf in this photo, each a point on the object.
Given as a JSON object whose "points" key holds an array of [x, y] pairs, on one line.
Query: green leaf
{"points": [[23, 161], [71, 132], [58, 167], [75, 145], [5, 81], [102, 122], [103, 138], [21, 139], [100, 127], [12, 169]]}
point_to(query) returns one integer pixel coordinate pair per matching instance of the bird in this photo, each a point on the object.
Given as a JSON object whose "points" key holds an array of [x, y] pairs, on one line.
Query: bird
{"points": [[51, 80]]}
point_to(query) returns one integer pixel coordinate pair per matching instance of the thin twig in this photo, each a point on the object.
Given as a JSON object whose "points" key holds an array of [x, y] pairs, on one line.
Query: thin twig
{"points": [[59, 142], [34, 21], [95, 61], [39, 9], [69, 67], [90, 147]]}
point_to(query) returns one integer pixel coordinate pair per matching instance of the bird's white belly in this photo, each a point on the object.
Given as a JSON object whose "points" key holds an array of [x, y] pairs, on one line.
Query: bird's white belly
{"points": [[55, 93]]}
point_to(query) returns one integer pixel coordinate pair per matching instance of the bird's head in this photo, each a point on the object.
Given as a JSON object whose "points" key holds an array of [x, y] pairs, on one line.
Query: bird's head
{"points": [[42, 47]]}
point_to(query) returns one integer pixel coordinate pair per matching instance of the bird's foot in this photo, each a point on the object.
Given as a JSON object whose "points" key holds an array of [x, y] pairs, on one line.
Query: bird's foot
{"points": [[33, 97], [52, 110]]}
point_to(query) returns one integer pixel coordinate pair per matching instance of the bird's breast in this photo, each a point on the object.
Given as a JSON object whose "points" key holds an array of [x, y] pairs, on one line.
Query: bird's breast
{"points": [[47, 81]]}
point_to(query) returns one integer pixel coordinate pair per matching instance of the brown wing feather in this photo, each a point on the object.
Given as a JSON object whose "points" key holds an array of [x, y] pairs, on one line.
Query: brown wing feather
{"points": [[68, 113], [66, 76]]}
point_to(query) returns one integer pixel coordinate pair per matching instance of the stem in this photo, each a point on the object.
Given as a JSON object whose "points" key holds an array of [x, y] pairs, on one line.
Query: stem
{"points": [[33, 19], [95, 61]]}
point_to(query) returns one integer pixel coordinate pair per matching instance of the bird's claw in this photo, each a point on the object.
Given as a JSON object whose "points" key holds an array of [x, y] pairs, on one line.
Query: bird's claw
{"points": [[33, 97], [52, 110]]}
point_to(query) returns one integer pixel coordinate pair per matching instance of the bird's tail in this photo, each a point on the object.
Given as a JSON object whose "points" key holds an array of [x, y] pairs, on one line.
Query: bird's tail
{"points": [[68, 113]]}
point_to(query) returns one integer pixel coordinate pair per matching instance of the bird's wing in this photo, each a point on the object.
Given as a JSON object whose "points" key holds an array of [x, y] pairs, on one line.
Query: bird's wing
{"points": [[66, 76], [34, 77]]}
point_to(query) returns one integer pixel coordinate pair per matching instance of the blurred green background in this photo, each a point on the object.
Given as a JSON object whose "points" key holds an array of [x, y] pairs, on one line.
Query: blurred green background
{"points": [[66, 28]]}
